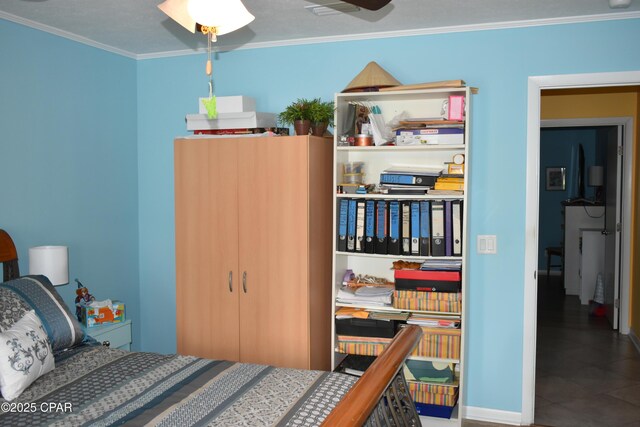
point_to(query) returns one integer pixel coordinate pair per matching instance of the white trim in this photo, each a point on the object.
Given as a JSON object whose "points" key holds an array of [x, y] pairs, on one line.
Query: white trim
{"points": [[330, 39], [492, 415], [64, 34], [634, 339], [535, 85]]}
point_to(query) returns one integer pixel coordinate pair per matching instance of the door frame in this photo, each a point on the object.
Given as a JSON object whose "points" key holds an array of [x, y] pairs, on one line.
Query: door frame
{"points": [[535, 85]]}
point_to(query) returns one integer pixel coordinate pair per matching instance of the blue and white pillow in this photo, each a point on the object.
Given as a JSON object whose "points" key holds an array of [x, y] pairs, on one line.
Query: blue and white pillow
{"points": [[25, 355], [36, 293]]}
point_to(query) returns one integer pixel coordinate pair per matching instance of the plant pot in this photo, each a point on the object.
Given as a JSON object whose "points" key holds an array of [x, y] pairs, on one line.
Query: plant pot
{"points": [[302, 127], [318, 129]]}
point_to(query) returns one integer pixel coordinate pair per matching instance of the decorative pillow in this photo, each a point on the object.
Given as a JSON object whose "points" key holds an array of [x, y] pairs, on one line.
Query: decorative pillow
{"points": [[25, 355], [37, 293]]}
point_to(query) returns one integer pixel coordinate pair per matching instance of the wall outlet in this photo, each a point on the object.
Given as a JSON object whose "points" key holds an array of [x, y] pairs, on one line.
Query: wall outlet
{"points": [[487, 244]]}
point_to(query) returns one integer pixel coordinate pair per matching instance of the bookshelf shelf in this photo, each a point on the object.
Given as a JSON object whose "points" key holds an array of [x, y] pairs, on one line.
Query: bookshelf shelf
{"points": [[374, 160]]}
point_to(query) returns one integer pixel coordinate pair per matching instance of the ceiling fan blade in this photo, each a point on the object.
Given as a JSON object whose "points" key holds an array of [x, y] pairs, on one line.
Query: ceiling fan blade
{"points": [[369, 4]]}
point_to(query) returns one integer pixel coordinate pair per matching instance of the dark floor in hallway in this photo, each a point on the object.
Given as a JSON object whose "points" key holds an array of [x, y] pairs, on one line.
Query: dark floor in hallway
{"points": [[586, 373]]}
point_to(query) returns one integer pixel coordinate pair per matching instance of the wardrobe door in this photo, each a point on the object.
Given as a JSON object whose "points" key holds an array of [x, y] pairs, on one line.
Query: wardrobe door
{"points": [[207, 248], [273, 242]]}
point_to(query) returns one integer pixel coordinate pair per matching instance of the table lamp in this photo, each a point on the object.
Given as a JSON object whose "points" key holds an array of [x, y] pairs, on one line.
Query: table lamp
{"points": [[596, 179], [50, 261]]}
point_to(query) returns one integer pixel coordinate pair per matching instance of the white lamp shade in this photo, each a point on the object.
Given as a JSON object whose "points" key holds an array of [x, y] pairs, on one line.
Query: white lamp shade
{"points": [[225, 15], [177, 10], [50, 261], [596, 174]]}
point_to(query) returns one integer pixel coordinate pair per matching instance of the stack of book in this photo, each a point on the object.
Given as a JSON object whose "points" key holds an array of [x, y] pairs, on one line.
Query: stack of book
{"points": [[408, 180], [448, 184]]}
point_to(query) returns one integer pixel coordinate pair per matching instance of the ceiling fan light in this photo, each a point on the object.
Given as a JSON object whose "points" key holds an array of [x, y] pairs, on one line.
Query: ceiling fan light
{"points": [[225, 15], [177, 10]]}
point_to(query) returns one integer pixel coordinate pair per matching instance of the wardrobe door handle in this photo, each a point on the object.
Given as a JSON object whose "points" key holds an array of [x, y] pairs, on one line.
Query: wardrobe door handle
{"points": [[244, 281], [231, 281]]}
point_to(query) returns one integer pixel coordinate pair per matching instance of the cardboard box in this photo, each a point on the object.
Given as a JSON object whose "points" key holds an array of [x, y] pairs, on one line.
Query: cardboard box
{"points": [[230, 104], [444, 136], [92, 316]]}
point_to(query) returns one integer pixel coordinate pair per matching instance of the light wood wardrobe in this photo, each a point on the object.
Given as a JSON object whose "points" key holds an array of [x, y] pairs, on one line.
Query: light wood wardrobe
{"points": [[253, 249]]}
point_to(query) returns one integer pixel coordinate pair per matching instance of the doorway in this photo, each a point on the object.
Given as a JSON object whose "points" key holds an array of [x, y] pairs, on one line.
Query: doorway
{"points": [[535, 86]]}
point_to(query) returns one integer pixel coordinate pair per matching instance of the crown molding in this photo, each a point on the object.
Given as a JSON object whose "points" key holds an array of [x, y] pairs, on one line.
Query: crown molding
{"points": [[65, 34], [329, 39]]}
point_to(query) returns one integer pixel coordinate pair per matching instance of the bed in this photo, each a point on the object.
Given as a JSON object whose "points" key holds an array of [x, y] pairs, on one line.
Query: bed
{"points": [[73, 380]]}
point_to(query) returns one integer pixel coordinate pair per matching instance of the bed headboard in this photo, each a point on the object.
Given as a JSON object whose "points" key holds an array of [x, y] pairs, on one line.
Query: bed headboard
{"points": [[8, 257]]}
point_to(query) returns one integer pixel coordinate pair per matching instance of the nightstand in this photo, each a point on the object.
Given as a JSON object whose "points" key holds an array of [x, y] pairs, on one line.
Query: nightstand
{"points": [[118, 335]]}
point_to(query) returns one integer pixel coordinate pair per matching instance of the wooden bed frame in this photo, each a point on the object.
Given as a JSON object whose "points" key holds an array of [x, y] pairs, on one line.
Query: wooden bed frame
{"points": [[382, 382]]}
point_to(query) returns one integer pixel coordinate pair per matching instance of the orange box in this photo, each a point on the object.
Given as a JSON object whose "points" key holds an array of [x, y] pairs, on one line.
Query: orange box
{"points": [[95, 316]]}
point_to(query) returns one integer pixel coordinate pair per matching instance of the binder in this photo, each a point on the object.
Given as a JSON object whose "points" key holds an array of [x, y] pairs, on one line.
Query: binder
{"points": [[425, 228], [437, 228], [406, 179], [370, 227], [457, 227], [405, 230], [448, 229], [415, 228], [394, 228], [342, 225], [382, 227], [351, 226], [360, 217]]}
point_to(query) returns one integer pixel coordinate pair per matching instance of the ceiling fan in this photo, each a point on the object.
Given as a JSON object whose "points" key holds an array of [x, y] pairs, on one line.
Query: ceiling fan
{"points": [[368, 4]]}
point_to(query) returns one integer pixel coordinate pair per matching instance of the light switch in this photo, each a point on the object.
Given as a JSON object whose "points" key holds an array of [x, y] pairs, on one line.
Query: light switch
{"points": [[487, 244]]}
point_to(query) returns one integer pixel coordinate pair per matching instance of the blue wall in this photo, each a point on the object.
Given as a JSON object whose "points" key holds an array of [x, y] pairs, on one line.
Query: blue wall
{"points": [[68, 159], [95, 215], [498, 62]]}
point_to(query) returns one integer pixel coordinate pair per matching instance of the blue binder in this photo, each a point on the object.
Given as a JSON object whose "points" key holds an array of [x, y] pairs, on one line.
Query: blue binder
{"points": [[425, 228], [351, 226], [415, 228], [370, 227], [342, 225], [394, 228], [382, 227]]}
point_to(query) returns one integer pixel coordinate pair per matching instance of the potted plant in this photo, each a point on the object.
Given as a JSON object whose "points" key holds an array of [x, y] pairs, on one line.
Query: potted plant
{"points": [[298, 114], [321, 116]]}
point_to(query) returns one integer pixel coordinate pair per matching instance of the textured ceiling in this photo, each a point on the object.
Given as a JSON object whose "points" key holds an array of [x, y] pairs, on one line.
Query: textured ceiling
{"points": [[137, 28]]}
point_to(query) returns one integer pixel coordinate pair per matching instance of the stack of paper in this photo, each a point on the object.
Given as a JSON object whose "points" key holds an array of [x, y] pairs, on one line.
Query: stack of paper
{"points": [[441, 264], [433, 321], [366, 295]]}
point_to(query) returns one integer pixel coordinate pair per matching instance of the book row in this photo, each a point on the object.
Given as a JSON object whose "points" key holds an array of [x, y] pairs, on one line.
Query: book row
{"points": [[400, 227]]}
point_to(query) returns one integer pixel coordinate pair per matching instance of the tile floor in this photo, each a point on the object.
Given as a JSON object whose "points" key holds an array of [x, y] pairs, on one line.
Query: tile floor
{"points": [[586, 374]]}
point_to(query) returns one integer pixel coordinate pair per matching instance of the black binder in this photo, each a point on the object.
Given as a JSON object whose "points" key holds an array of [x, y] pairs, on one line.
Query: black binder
{"points": [[437, 228], [382, 227], [343, 210], [370, 227], [394, 228]]}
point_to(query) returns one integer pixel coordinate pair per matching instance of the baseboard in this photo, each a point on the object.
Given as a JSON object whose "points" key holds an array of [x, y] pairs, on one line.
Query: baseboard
{"points": [[634, 339], [492, 415]]}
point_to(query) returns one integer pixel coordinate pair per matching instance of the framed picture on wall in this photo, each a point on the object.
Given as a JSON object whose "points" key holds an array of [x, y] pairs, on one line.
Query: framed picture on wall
{"points": [[556, 179]]}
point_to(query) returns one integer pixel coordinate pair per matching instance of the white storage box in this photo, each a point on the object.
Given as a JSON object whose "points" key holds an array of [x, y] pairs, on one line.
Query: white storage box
{"points": [[230, 104], [231, 121]]}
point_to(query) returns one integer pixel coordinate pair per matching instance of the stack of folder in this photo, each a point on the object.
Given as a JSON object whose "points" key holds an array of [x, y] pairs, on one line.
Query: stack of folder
{"points": [[400, 227], [428, 280]]}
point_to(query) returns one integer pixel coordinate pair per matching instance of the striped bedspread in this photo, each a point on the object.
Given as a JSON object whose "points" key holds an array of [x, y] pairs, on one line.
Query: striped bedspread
{"points": [[94, 385]]}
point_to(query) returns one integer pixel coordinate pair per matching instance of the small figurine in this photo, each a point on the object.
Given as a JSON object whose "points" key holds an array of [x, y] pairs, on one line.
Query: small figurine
{"points": [[83, 299]]}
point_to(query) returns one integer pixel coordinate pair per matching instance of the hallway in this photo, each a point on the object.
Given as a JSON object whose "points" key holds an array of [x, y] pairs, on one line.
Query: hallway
{"points": [[586, 374]]}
